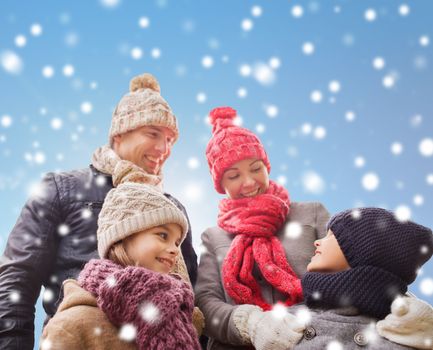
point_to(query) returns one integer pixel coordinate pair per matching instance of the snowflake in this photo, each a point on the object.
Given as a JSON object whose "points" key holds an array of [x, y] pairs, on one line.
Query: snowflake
{"points": [[6, 121], [110, 3], [274, 63], [56, 123], [149, 312], [111, 281], [303, 315], [63, 230], [15, 297], [11, 62], [279, 311], [36, 29], [242, 92], [404, 10], [48, 72], [334, 345], [378, 63], [68, 70], [48, 295], [245, 70], [155, 53], [396, 148], [293, 230], [20, 40], [403, 213], [334, 86], [308, 48], [271, 111], [207, 62], [426, 286], [319, 132], [86, 213], [86, 107], [127, 332], [316, 96], [313, 183], [297, 11], [193, 163], [426, 147], [264, 74], [97, 331], [356, 214], [359, 162], [247, 25], [370, 181], [370, 15], [46, 344], [136, 53], [256, 11], [144, 22], [201, 97]]}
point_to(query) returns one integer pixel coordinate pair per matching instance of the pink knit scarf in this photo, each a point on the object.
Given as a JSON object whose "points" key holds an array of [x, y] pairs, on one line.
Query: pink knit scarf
{"points": [[255, 222]]}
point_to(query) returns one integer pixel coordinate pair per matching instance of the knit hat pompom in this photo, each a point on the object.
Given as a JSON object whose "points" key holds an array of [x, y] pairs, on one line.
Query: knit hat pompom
{"points": [[144, 81], [222, 117]]}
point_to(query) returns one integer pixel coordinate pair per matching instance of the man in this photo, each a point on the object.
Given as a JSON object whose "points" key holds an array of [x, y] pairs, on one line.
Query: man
{"points": [[55, 234]]}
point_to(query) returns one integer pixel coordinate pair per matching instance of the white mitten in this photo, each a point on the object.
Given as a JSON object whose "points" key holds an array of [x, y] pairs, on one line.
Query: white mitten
{"points": [[267, 330], [410, 323]]}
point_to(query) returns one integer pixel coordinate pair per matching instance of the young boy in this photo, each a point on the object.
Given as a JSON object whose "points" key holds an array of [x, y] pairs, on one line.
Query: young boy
{"points": [[367, 259]]}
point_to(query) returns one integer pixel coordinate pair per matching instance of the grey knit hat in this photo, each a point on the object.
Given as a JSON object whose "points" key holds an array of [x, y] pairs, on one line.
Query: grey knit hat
{"points": [[142, 106], [133, 207]]}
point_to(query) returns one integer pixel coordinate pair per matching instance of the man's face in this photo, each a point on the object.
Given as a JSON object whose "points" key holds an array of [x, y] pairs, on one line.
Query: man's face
{"points": [[148, 147]]}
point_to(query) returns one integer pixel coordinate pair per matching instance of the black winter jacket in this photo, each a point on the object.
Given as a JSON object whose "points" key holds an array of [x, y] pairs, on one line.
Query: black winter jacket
{"points": [[54, 237]]}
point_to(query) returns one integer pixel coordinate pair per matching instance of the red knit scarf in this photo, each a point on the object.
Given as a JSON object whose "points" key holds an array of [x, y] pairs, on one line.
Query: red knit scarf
{"points": [[255, 221]]}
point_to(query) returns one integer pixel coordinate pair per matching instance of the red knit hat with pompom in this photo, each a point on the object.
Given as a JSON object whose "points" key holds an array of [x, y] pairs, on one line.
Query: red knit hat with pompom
{"points": [[230, 144]]}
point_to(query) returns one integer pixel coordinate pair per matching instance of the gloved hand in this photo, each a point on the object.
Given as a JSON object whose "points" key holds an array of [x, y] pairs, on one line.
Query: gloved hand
{"points": [[410, 323], [95, 272], [266, 330]]}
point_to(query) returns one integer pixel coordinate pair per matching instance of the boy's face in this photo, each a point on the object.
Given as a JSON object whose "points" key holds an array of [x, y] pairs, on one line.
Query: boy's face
{"points": [[328, 256], [246, 178], [155, 249]]}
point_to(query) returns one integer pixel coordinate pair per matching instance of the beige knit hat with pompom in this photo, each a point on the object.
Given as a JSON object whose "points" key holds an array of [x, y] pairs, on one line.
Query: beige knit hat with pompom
{"points": [[143, 105]]}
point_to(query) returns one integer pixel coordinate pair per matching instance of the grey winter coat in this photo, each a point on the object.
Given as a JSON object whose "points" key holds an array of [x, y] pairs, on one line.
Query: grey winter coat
{"points": [[54, 237], [345, 326], [211, 297]]}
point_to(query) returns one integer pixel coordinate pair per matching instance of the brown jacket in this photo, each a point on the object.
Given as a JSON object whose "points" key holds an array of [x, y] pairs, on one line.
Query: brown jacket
{"points": [[211, 297], [80, 324]]}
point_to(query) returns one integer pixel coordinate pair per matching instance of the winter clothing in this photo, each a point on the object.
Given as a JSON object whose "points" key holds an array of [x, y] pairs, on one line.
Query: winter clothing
{"points": [[108, 162], [254, 221], [345, 326], [134, 207], [267, 330], [143, 106], [54, 237], [211, 297], [230, 144], [384, 255], [375, 237], [368, 288], [80, 324], [410, 323], [159, 306]]}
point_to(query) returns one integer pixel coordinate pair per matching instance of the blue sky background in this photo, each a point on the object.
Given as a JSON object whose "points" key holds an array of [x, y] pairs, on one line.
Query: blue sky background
{"points": [[339, 91]]}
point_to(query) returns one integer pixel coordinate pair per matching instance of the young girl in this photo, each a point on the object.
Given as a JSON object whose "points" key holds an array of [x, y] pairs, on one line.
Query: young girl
{"points": [[130, 300], [262, 245]]}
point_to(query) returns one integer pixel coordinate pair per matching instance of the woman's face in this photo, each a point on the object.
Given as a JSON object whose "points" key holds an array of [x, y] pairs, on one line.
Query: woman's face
{"points": [[328, 256], [156, 248], [246, 178]]}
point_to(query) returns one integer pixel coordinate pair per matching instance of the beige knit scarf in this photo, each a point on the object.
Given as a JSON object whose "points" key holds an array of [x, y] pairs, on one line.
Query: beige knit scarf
{"points": [[108, 162]]}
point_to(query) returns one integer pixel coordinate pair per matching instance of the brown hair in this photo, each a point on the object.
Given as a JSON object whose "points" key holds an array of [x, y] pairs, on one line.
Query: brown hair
{"points": [[118, 255]]}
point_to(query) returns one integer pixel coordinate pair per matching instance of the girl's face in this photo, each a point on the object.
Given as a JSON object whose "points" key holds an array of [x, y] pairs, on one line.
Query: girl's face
{"points": [[328, 256], [246, 178], [156, 248]]}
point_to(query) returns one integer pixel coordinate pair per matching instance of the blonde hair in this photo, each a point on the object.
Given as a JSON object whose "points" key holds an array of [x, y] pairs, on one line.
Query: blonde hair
{"points": [[118, 255]]}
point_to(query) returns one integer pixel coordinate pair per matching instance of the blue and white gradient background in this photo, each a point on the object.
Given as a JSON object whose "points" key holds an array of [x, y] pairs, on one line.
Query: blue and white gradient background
{"points": [[339, 91]]}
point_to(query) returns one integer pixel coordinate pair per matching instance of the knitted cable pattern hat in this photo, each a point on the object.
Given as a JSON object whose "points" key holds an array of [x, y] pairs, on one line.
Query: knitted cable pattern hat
{"points": [[143, 105], [375, 237], [133, 207], [230, 144]]}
